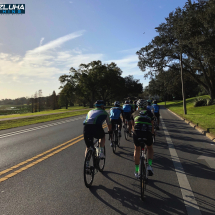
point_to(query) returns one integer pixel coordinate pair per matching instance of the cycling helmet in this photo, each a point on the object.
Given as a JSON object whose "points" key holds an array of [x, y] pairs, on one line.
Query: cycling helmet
{"points": [[117, 103], [135, 102], [99, 103], [131, 102], [126, 102], [154, 102], [141, 103]]}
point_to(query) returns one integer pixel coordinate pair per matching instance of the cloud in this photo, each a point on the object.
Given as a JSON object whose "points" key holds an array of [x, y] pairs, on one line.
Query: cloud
{"points": [[46, 61], [41, 41], [128, 64], [57, 43]]}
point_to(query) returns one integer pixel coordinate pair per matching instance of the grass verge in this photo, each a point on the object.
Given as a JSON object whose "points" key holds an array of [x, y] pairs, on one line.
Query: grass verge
{"points": [[45, 112], [203, 116], [33, 120]]}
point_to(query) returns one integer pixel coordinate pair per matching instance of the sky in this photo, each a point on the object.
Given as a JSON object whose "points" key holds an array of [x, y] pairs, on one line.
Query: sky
{"points": [[36, 48]]}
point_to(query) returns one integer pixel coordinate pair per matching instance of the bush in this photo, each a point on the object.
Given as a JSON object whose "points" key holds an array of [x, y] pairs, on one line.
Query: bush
{"points": [[200, 102]]}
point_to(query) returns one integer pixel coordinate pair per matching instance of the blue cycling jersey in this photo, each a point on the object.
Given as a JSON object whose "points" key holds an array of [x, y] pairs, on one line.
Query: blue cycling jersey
{"points": [[127, 108], [115, 112], [156, 108]]}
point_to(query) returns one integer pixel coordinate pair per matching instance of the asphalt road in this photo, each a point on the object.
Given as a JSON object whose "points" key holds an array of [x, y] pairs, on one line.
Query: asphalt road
{"points": [[41, 172]]}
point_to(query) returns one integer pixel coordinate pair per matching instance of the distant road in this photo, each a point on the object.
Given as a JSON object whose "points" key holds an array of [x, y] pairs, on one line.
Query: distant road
{"points": [[41, 172]]}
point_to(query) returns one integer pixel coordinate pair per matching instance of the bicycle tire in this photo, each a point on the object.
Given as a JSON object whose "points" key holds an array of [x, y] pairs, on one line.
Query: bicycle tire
{"points": [[126, 132], [114, 143], [101, 164], [118, 139], [142, 177], [88, 157]]}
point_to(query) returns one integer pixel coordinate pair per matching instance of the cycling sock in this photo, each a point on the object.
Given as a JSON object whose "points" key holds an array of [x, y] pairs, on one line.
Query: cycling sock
{"points": [[137, 168], [150, 162]]}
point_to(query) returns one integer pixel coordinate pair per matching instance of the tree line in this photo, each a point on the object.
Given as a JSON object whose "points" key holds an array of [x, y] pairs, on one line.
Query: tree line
{"points": [[189, 31], [94, 81]]}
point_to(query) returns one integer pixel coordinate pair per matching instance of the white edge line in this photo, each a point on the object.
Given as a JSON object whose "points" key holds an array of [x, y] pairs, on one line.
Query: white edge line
{"points": [[186, 190], [37, 128]]}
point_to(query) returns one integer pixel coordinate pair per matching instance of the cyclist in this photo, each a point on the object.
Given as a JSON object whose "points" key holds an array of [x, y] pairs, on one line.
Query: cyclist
{"points": [[143, 127], [132, 105], [157, 112], [135, 105], [93, 126], [149, 106], [127, 110], [115, 113]]}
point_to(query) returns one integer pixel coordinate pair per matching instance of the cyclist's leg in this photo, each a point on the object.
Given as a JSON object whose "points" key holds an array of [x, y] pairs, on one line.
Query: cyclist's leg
{"points": [[137, 149], [150, 153], [100, 134], [88, 137]]}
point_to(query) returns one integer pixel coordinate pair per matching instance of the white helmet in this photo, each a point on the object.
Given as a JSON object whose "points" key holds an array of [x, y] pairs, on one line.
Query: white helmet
{"points": [[142, 103]]}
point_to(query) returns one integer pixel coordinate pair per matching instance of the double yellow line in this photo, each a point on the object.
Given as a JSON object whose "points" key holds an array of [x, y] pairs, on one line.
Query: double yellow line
{"points": [[43, 156]]}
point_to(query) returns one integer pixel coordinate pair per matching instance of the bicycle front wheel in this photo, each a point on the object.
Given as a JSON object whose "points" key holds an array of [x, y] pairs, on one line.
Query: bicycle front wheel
{"points": [[142, 177], [101, 165], [89, 169]]}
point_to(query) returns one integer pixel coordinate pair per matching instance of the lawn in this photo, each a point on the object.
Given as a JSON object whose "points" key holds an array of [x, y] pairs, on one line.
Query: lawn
{"points": [[38, 119], [45, 112], [204, 116]]}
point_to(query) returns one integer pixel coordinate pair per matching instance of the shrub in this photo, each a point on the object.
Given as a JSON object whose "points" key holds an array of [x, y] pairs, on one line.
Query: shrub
{"points": [[200, 102]]}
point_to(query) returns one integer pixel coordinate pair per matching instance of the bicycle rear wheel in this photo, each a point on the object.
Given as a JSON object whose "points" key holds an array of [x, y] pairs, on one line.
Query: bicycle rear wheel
{"points": [[101, 165], [114, 142], [142, 177], [118, 138], [126, 131], [89, 169]]}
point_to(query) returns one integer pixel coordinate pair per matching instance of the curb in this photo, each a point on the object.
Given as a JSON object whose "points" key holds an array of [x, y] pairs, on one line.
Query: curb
{"points": [[206, 133]]}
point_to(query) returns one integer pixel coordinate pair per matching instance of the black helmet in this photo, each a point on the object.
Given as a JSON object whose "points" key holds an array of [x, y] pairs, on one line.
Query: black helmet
{"points": [[117, 103], [99, 103], [131, 102], [155, 102], [126, 102]]}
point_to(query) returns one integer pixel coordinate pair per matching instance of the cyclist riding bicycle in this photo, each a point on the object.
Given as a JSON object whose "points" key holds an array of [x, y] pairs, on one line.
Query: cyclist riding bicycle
{"points": [[93, 126], [132, 105], [143, 127], [115, 113], [127, 111], [135, 105], [149, 106], [157, 112]]}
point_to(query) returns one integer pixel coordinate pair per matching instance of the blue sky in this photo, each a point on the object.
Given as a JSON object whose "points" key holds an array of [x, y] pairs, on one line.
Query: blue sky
{"points": [[54, 35]]}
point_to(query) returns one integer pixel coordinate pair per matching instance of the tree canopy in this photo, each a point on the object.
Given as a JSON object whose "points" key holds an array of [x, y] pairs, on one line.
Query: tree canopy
{"points": [[189, 30], [95, 80]]}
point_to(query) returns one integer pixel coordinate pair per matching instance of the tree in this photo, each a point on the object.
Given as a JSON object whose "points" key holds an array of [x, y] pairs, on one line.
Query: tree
{"points": [[190, 30], [94, 81]]}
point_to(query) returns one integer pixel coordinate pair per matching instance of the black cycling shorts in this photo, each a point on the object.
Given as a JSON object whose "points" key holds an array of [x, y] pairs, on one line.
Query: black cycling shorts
{"points": [[157, 115], [127, 115], [142, 134], [92, 131], [116, 121]]}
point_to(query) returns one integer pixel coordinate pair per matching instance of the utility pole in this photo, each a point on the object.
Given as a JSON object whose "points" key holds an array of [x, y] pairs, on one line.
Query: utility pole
{"points": [[182, 83]]}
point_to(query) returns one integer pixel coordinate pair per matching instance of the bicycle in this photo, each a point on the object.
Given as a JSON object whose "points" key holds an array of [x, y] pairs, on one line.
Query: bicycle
{"points": [[143, 166], [115, 137], [126, 130], [95, 163]]}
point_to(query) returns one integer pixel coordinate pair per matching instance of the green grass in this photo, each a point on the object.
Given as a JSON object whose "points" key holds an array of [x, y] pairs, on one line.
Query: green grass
{"points": [[45, 112], [204, 116], [33, 120]]}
